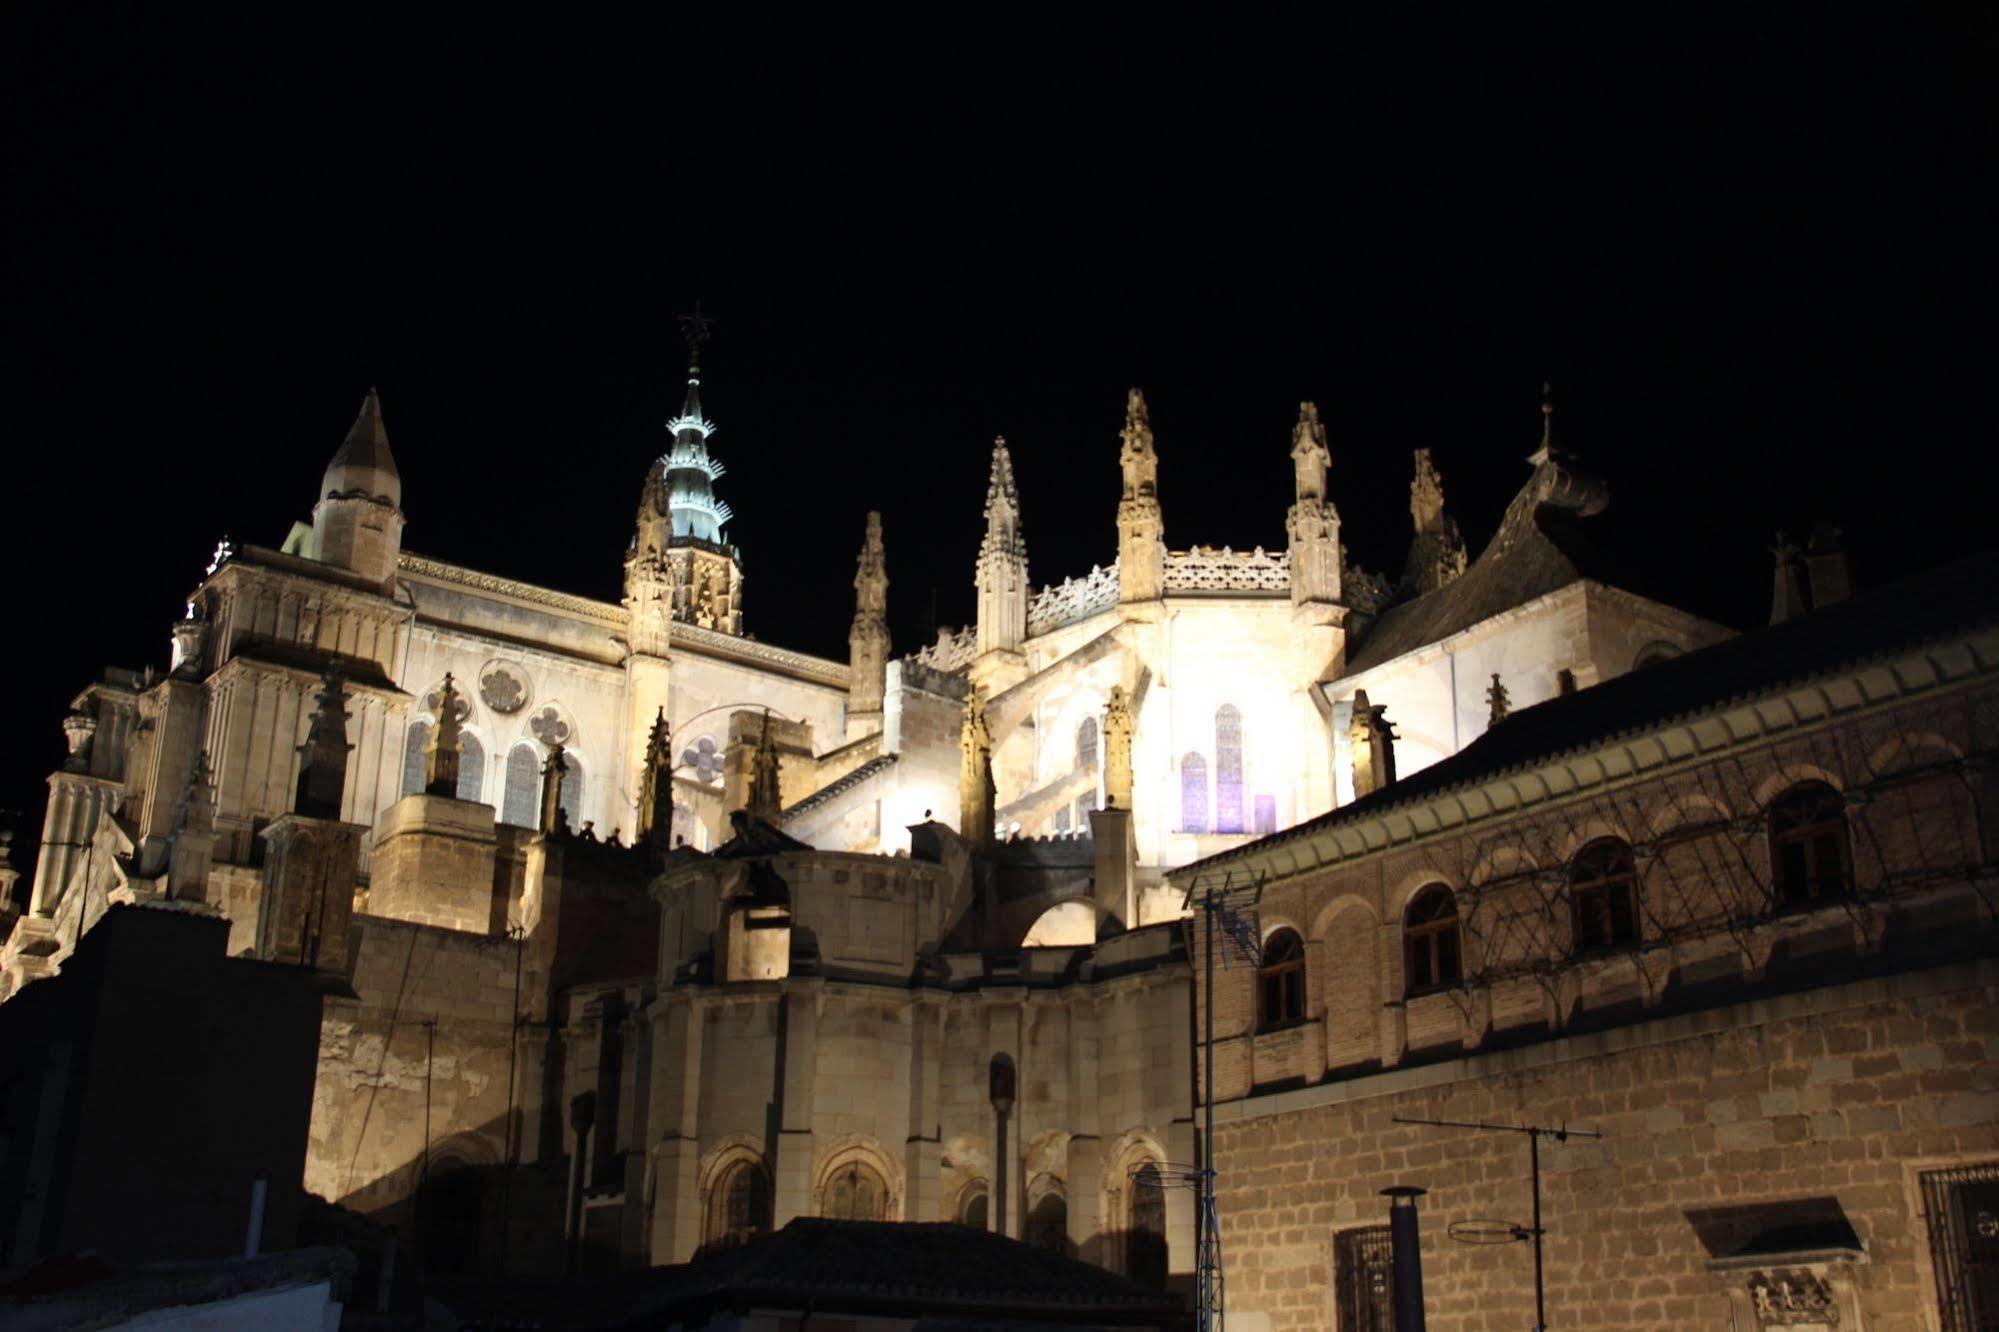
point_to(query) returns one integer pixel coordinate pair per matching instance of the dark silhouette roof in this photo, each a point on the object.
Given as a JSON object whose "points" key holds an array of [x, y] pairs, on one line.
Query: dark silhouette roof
{"points": [[1872, 625], [888, 1267]]}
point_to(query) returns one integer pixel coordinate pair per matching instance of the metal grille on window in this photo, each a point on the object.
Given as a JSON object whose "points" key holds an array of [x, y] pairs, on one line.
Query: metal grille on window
{"points": [[1962, 1208], [1364, 1280]]}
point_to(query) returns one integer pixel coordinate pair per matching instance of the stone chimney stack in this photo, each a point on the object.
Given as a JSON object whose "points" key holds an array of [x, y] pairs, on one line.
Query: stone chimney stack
{"points": [[1825, 565], [1787, 591], [867, 641], [1141, 529]]}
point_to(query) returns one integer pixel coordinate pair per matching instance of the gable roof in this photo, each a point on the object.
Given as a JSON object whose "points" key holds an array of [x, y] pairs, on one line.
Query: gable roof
{"points": [[1891, 619]]}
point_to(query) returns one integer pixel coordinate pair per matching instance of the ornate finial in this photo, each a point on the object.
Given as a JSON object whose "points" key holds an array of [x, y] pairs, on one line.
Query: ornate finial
{"points": [[655, 811], [766, 801], [1498, 701], [1547, 414]]}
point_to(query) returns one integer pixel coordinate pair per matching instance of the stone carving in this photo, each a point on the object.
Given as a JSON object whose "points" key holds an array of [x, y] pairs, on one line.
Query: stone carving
{"points": [[77, 730], [656, 789], [322, 775], [1371, 741], [1368, 593], [1498, 702], [554, 771], [461, 706], [1313, 525], [975, 776], [1001, 575], [1141, 527], [1205, 569], [951, 653], [440, 760], [867, 641], [765, 799], [550, 727], [1437, 554], [1073, 599], [1791, 1297], [503, 689], [704, 758], [1119, 724]]}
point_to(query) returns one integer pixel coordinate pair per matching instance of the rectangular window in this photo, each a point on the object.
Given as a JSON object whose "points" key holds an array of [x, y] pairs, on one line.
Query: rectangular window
{"points": [[1364, 1279], [1962, 1208]]}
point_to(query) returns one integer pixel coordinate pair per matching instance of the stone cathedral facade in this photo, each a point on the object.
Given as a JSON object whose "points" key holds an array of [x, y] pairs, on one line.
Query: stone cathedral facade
{"points": [[679, 934]]}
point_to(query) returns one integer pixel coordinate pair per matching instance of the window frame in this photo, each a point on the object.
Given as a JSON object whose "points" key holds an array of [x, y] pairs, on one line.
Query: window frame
{"points": [[1284, 977], [1428, 934], [1595, 877], [1785, 824]]}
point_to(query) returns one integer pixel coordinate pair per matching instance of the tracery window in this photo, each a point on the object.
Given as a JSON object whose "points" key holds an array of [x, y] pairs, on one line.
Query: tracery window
{"points": [[855, 1192], [1228, 769], [1086, 743], [1430, 952], [471, 767], [738, 1205], [517, 800], [1280, 981], [1145, 1236], [572, 790], [415, 766], [1811, 857], [1603, 895], [1193, 794], [705, 759]]}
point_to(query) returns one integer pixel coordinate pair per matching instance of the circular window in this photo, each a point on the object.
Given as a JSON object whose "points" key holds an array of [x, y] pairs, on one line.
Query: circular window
{"points": [[503, 689]]}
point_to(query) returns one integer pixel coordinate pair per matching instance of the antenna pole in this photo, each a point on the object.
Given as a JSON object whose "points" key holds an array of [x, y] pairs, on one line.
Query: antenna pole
{"points": [[1540, 1289]]}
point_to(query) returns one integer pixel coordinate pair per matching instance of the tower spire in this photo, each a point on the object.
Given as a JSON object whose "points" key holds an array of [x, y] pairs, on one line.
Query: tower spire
{"points": [[1313, 524], [1001, 578], [1141, 529], [868, 641], [689, 473]]}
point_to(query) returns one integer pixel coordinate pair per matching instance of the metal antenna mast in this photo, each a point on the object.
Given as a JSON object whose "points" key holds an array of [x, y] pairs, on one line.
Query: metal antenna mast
{"points": [[1230, 903], [1534, 1132]]}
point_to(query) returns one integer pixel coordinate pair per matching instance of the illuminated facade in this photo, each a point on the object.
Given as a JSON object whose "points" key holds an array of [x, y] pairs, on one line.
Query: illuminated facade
{"points": [[640, 869]]}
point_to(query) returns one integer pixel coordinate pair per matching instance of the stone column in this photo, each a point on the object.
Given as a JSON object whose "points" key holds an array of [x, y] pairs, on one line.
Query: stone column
{"points": [[1116, 860], [1003, 1037], [797, 1143], [923, 1155], [675, 1103], [1086, 1149], [1177, 1014]]}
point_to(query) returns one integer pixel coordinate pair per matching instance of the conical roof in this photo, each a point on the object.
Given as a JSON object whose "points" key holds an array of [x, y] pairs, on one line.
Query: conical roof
{"points": [[363, 464]]}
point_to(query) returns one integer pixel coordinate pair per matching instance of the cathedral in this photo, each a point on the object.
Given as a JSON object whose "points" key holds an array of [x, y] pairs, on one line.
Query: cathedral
{"points": [[644, 936]]}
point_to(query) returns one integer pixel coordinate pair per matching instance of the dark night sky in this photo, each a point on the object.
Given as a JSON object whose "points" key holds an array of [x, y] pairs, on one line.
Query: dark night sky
{"points": [[1754, 254]]}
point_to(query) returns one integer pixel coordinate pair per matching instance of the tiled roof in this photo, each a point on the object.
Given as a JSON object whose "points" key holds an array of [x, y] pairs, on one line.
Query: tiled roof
{"points": [[1869, 626]]}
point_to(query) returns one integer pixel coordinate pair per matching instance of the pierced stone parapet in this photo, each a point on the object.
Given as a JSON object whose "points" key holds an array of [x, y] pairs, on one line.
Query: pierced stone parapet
{"points": [[1073, 599], [1206, 569]]}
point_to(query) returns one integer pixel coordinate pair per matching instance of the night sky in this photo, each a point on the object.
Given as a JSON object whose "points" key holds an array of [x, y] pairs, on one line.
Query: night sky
{"points": [[1755, 255]]}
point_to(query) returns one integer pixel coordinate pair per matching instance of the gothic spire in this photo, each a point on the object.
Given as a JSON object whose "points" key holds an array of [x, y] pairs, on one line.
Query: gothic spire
{"points": [[1001, 576], [322, 775], [656, 789], [1498, 702], [868, 641], [1312, 524], [1141, 528], [1137, 457], [689, 473], [363, 466]]}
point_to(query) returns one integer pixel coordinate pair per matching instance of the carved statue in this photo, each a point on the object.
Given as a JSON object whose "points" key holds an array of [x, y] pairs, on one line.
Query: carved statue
{"points": [[1138, 459], [1119, 725], [1371, 741], [553, 773], [1310, 454], [765, 800], [440, 760], [975, 778]]}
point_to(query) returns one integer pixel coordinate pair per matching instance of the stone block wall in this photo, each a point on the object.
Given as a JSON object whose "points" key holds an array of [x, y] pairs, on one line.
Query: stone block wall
{"points": [[1850, 1092], [435, 864]]}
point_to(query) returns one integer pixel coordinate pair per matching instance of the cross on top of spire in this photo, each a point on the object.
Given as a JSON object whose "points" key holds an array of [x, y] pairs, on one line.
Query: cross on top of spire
{"points": [[694, 327]]}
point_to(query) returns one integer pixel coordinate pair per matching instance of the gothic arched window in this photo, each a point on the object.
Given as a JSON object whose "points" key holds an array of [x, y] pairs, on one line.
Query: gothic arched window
{"points": [[1228, 769], [1811, 859], [517, 803], [572, 790], [1603, 895], [1280, 981], [471, 767], [1086, 743], [1193, 794], [1048, 1223], [1145, 1236], [738, 1205], [856, 1193], [415, 768], [974, 1205], [1430, 941]]}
